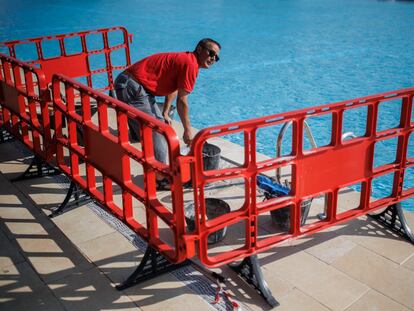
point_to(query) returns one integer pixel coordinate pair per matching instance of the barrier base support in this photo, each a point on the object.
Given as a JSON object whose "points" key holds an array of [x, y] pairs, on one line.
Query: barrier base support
{"points": [[152, 264], [249, 270], [393, 217], [5, 136], [37, 168], [80, 198]]}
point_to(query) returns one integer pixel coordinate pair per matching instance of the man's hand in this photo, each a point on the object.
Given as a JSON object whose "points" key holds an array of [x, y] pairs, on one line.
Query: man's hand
{"points": [[167, 106], [188, 137], [182, 109], [167, 119]]}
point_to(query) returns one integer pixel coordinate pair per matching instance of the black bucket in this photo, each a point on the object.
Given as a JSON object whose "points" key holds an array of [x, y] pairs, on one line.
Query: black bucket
{"points": [[211, 157], [214, 208], [281, 216]]}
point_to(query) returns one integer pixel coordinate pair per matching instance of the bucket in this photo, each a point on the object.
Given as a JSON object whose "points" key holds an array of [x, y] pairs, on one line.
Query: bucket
{"points": [[281, 216], [211, 157], [214, 208]]}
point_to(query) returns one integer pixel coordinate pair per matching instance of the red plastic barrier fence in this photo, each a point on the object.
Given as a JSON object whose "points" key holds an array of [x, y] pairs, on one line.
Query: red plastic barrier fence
{"points": [[92, 55], [96, 153], [24, 104], [314, 172]]}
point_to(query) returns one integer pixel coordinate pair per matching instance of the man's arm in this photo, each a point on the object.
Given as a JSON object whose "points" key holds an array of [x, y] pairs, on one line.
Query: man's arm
{"points": [[182, 109], [167, 105]]}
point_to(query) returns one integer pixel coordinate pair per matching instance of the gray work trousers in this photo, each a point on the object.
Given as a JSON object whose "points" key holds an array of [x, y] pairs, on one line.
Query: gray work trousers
{"points": [[133, 93]]}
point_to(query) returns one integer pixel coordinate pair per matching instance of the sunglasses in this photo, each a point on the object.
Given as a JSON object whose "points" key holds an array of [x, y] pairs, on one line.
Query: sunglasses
{"points": [[212, 53]]}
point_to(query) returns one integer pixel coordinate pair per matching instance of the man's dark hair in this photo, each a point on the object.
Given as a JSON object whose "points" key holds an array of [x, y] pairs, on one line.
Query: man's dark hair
{"points": [[203, 43]]}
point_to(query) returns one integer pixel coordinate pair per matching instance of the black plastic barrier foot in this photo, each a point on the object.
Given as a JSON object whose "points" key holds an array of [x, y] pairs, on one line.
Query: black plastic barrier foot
{"points": [[393, 217], [36, 169], [80, 196], [151, 265], [249, 270]]}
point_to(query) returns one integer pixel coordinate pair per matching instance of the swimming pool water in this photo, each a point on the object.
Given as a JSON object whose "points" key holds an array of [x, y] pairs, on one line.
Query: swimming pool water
{"points": [[277, 55]]}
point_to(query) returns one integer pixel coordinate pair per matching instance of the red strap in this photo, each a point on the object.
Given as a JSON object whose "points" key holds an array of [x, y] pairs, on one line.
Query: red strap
{"points": [[226, 294]]}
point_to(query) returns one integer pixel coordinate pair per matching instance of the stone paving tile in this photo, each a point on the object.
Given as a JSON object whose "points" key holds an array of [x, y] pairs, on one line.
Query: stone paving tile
{"points": [[279, 287], [16, 212], [45, 192], [18, 279], [32, 301], [384, 276], [26, 228], [37, 238], [384, 242], [90, 290], [331, 249], [51, 254], [51, 265], [9, 253], [374, 301], [14, 159], [53, 257], [329, 286], [348, 199], [118, 268], [82, 224], [282, 250], [409, 263], [166, 293], [113, 254], [39, 246], [296, 300]]}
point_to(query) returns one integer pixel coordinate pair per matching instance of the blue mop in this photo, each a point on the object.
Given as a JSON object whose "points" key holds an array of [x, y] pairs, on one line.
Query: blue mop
{"points": [[271, 187]]}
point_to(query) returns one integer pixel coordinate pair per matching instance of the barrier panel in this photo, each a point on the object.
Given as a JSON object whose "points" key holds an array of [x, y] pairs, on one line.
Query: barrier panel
{"points": [[105, 163], [326, 170], [24, 104], [90, 55]]}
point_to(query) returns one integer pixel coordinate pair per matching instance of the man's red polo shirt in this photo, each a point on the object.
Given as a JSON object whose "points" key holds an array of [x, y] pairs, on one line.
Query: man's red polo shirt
{"points": [[162, 74]]}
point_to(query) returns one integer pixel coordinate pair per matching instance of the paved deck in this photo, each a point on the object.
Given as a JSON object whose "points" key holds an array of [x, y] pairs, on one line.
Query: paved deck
{"points": [[73, 261]]}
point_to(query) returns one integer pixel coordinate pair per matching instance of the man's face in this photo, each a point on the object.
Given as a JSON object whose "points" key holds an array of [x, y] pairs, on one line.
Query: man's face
{"points": [[208, 55]]}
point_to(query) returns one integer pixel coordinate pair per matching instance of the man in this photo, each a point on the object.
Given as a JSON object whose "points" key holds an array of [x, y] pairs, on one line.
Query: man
{"points": [[172, 75]]}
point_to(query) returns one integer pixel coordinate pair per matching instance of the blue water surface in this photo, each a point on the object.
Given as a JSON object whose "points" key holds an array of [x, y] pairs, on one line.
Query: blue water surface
{"points": [[277, 55]]}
